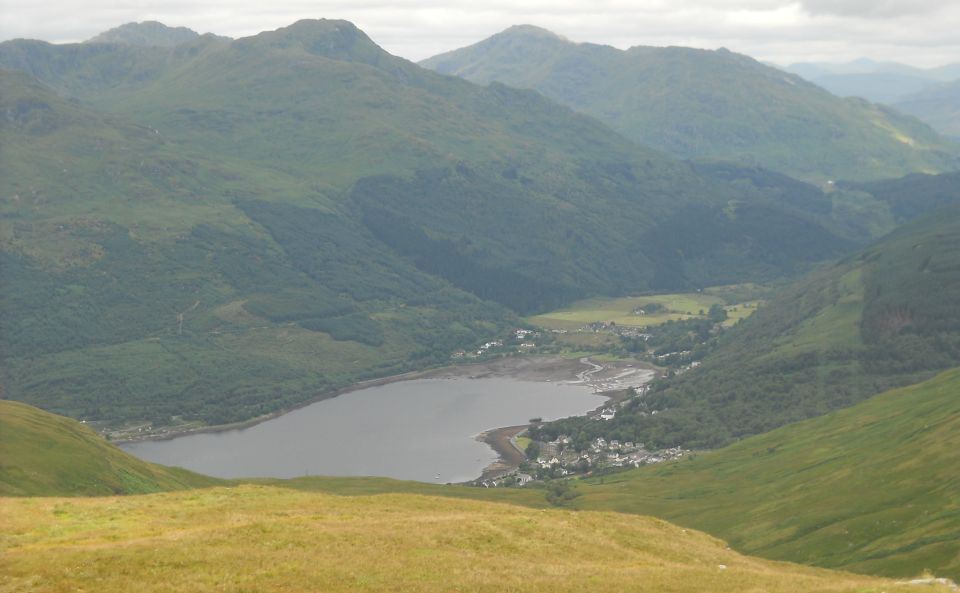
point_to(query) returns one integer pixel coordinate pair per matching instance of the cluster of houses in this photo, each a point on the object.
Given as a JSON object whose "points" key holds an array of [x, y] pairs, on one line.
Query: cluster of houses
{"points": [[687, 367], [524, 339], [558, 460], [486, 348]]}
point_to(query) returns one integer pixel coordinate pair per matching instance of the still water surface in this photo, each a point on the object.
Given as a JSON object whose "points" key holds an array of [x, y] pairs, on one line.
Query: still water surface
{"points": [[415, 430]]}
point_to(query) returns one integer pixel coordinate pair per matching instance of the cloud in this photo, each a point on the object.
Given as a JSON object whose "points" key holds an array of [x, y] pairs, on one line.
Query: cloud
{"points": [[915, 31], [873, 8]]}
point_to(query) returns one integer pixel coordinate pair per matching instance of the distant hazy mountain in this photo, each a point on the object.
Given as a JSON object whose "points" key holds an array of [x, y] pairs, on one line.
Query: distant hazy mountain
{"points": [[220, 229], [939, 106], [708, 104], [147, 33], [880, 87], [812, 70], [885, 82], [932, 95]]}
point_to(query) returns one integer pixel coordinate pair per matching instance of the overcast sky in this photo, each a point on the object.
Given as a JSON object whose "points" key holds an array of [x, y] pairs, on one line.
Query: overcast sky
{"points": [[919, 32]]}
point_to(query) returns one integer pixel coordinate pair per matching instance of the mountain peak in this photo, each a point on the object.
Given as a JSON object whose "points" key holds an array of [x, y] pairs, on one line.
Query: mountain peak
{"points": [[532, 31], [147, 34], [336, 39]]}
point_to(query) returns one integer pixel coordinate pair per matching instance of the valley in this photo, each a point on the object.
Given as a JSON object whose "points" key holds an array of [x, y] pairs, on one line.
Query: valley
{"points": [[266, 242], [288, 311]]}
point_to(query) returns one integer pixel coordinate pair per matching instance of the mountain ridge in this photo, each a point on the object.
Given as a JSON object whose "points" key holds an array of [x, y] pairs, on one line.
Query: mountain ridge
{"points": [[693, 104], [148, 34]]}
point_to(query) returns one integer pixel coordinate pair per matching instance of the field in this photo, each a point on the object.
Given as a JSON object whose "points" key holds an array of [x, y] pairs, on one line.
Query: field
{"points": [[258, 538], [626, 310]]}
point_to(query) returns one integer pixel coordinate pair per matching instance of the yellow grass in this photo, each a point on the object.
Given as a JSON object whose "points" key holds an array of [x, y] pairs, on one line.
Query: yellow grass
{"points": [[258, 538]]}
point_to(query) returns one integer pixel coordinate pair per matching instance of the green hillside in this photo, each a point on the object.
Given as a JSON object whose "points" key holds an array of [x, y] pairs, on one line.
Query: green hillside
{"points": [[42, 454], [218, 230], [901, 200], [882, 318], [112, 232], [874, 488], [708, 104], [269, 539]]}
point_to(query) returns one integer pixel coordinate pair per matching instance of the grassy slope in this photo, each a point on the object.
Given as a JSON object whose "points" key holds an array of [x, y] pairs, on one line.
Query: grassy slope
{"points": [[42, 454], [697, 103], [261, 538], [873, 488]]}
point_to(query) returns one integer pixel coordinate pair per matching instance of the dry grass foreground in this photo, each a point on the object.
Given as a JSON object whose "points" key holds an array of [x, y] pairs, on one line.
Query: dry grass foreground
{"points": [[257, 538]]}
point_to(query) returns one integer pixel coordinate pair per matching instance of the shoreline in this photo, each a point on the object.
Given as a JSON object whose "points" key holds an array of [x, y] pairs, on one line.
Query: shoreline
{"points": [[509, 457], [501, 440], [531, 368], [602, 378], [176, 433]]}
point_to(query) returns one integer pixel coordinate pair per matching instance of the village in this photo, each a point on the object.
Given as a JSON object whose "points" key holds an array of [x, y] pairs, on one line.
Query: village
{"points": [[558, 459]]}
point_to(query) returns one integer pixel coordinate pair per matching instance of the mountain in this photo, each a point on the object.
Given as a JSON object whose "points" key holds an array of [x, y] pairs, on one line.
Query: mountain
{"points": [[931, 95], [881, 318], [147, 33], [223, 229], [939, 106], [49, 455], [881, 87], [271, 539], [882, 82], [872, 488], [811, 70], [708, 105], [137, 287]]}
